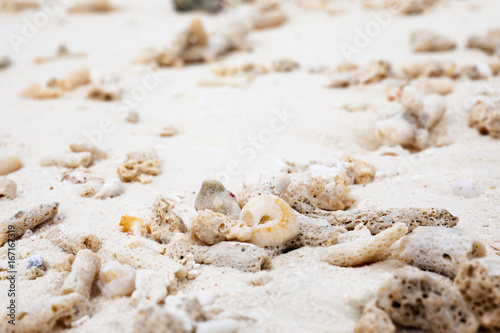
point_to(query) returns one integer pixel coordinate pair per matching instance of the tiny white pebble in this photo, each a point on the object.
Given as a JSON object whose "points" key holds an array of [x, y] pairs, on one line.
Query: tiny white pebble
{"points": [[465, 188]]}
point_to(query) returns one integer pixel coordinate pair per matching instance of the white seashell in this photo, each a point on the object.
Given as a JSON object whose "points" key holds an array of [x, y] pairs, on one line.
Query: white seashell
{"points": [[272, 220], [465, 188], [112, 188], [116, 279]]}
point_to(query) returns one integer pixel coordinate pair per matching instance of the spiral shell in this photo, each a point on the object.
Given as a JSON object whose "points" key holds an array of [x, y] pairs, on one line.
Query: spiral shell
{"points": [[272, 220], [116, 279]]}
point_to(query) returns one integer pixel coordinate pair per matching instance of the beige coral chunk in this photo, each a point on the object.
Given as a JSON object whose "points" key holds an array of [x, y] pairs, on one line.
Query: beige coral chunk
{"points": [[439, 249], [427, 301], [313, 232], [84, 146], [9, 164], [36, 91], [273, 185], [138, 165], [213, 228], [373, 72], [326, 187], [104, 93], [179, 314], [285, 65], [485, 117], [364, 250], [83, 273], [8, 189], [95, 6], [149, 285], [378, 220], [269, 16], [215, 197], [488, 44], [428, 41], [43, 316], [71, 82], [242, 256], [427, 86], [364, 172], [73, 243], [412, 126], [430, 68], [479, 283], [374, 320], [140, 257], [164, 221], [68, 160], [23, 220]]}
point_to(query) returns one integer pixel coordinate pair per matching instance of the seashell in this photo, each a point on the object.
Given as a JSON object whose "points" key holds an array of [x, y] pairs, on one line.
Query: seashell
{"points": [[465, 188], [112, 188], [9, 164], [441, 307], [441, 250], [479, 283], [428, 41], [116, 279], [364, 250], [272, 220], [213, 228], [273, 185], [169, 131], [8, 189], [214, 196]]}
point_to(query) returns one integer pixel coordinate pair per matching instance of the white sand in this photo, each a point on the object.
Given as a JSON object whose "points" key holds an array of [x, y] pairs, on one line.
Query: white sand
{"points": [[305, 295]]}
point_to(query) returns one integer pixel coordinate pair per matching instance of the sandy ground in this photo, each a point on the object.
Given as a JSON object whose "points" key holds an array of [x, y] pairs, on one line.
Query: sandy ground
{"points": [[304, 295]]}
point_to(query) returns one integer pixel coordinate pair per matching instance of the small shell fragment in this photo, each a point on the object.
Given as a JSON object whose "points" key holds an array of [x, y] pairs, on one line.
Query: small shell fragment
{"points": [[116, 279], [8, 189], [9, 164]]}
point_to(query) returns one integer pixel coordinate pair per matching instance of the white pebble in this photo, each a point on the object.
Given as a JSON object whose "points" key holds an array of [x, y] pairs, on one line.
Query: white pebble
{"points": [[465, 188]]}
